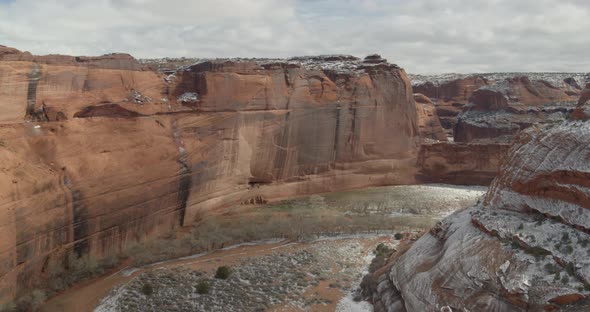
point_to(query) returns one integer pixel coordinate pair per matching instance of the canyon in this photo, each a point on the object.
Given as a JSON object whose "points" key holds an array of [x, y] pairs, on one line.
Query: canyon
{"points": [[104, 154]]}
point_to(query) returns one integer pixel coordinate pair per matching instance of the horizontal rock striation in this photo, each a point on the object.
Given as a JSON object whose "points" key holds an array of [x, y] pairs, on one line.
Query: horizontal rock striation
{"points": [[460, 163], [525, 247], [501, 110], [101, 153], [497, 106]]}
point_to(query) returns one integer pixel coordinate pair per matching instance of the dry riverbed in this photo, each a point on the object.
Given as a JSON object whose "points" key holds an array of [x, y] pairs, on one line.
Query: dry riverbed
{"points": [[281, 275]]}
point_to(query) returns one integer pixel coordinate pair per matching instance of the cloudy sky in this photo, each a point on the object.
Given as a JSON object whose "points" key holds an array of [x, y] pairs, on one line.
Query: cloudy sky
{"points": [[423, 36]]}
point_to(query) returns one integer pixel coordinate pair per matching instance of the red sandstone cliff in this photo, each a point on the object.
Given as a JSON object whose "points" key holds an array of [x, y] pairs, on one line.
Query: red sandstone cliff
{"points": [[428, 120], [99, 153]]}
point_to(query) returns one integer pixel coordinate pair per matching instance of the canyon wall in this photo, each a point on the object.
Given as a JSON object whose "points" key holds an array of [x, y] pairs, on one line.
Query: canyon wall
{"points": [[460, 163], [428, 120], [101, 153], [525, 247], [494, 107]]}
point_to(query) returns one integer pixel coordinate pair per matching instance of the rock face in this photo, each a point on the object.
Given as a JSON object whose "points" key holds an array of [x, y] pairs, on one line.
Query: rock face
{"points": [[450, 96], [524, 248], [460, 163], [499, 111], [100, 153], [497, 106], [428, 121], [582, 111]]}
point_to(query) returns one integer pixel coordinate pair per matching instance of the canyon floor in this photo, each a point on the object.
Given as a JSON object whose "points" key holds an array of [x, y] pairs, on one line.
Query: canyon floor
{"points": [[317, 269]]}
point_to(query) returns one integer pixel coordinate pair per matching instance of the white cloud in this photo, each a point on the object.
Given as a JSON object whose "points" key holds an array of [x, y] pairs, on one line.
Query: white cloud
{"points": [[420, 35]]}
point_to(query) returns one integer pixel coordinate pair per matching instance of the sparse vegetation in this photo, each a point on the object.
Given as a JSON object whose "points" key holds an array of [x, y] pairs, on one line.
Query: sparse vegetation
{"points": [[8, 307], [551, 268], [539, 218], [537, 251], [223, 272], [30, 302], [203, 287], [570, 268], [565, 279], [382, 250], [147, 289], [399, 236], [565, 237]]}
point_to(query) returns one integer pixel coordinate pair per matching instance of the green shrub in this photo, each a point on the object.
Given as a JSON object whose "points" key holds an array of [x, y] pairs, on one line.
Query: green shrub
{"points": [[203, 288], [556, 276], [147, 289], [570, 268], [565, 279], [398, 236], [223, 272], [565, 237], [381, 250]]}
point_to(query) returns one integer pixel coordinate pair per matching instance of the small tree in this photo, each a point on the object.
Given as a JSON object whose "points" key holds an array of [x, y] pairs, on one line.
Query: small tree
{"points": [[398, 236], [203, 287], [223, 272], [147, 289]]}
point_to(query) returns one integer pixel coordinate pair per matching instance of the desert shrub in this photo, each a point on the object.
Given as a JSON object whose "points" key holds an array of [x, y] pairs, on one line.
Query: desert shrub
{"points": [[565, 237], [147, 289], [203, 287], [31, 301], [381, 250], [521, 226], [550, 268], [539, 218], [398, 236], [570, 268], [556, 276], [537, 251], [223, 272], [565, 279]]}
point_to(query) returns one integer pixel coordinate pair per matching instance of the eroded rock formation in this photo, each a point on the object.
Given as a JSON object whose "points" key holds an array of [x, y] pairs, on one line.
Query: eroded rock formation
{"points": [[450, 96], [525, 247], [428, 121], [494, 107], [498, 112], [99, 153]]}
